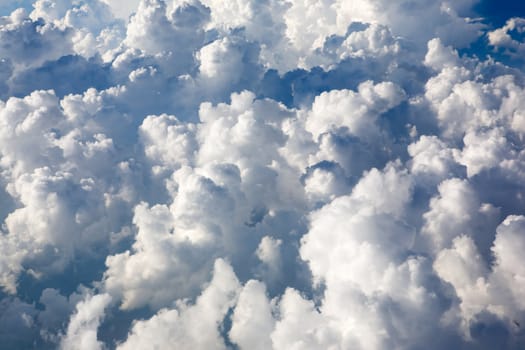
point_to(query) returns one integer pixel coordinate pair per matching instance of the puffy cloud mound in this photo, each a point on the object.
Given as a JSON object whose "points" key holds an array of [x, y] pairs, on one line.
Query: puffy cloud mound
{"points": [[82, 329], [276, 174], [190, 326]]}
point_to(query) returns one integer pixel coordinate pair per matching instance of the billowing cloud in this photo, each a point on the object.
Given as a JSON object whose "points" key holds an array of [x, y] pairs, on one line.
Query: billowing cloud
{"points": [[82, 329], [277, 174], [188, 326]]}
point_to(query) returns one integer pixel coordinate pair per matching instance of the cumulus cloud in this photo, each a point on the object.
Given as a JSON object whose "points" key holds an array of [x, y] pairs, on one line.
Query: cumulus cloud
{"points": [[29, 43], [252, 319], [481, 288], [82, 329], [502, 39], [208, 174], [123, 8], [189, 326]]}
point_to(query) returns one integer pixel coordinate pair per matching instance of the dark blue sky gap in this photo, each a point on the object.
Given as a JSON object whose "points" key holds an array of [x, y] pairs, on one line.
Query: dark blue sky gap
{"points": [[496, 13]]}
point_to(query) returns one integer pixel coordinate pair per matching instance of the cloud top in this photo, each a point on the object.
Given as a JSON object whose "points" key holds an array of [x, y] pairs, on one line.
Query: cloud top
{"points": [[261, 175]]}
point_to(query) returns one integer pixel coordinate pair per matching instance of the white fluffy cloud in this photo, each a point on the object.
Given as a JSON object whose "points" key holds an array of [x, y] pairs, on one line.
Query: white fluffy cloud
{"points": [[30, 43], [82, 329], [502, 39], [189, 326], [252, 319], [357, 112], [455, 211], [480, 288], [278, 174], [123, 8]]}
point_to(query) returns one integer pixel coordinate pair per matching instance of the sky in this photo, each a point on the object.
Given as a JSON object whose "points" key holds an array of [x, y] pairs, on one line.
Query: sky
{"points": [[262, 174], [497, 12]]}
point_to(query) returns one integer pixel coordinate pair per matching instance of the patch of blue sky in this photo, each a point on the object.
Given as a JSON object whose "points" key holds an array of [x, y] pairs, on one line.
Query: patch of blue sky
{"points": [[8, 6], [495, 14]]}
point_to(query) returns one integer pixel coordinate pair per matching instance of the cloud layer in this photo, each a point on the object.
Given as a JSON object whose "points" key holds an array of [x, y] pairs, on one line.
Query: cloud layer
{"points": [[268, 174]]}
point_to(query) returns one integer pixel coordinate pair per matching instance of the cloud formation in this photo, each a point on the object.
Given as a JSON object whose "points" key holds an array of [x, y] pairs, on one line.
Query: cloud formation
{"points": [[277, 174]]}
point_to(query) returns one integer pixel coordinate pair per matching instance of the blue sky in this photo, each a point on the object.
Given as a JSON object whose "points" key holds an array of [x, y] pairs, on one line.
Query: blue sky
{"points": [[9, 5], [499, 11]]}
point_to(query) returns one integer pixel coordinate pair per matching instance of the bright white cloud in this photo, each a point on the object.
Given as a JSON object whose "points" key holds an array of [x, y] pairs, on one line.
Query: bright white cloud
{"points": [[277, 174], [190, 326], [123, 8], [502, 39], [82, 329]]}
